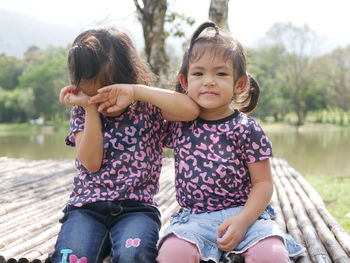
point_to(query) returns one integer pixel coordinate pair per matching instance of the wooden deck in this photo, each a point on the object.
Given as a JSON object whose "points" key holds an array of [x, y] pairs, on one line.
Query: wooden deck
{"points": [[33, 193]]}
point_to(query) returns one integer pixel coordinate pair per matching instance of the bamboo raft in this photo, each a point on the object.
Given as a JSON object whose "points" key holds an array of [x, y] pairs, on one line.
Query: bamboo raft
{"points": [[33, 194]]}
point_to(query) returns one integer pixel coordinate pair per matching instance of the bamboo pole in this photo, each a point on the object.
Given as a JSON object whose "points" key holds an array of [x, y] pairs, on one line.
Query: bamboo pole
{"points": [[43, 249], [341, 235], [294, 200], [279, 219], [316, 248], [32, 243], [31, 229], [288, 214], [333, 247]]}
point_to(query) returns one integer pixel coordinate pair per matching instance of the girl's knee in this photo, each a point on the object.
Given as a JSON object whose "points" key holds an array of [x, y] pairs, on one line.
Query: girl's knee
{"points": [[175, 250], [268, 250]]}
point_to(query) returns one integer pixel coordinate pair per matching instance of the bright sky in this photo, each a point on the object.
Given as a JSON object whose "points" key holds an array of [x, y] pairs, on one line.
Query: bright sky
{"points": [[248, 19]]}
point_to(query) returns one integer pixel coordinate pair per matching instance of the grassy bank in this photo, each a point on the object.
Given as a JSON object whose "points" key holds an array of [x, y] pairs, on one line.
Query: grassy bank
{"points": [[27, 128], [334, 191], [308, 127]]}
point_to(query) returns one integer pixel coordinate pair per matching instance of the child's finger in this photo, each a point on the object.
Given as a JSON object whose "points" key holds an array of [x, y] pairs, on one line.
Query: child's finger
{"points": [[97, 98], [104, 89], [221, 229], [114, 108], [103, 106], [63, 93], [67, 98]]}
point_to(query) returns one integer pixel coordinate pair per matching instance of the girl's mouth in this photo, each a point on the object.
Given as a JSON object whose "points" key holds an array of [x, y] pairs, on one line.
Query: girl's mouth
{"points": [[209, 93]]}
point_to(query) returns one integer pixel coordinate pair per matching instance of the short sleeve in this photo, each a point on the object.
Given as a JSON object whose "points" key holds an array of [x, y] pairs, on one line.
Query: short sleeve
{"points": [[77, 123], [257, 146], [156, 113], [168, 138]]}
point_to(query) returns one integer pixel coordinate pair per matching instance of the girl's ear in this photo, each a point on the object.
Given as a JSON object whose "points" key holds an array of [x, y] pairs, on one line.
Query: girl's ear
{"points": [[183, 82], [241, 84]]}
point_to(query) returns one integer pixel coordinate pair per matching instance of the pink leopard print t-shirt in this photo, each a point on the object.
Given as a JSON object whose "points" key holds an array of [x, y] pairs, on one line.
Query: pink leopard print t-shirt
{"points": [[211, 160], [132, 157]]}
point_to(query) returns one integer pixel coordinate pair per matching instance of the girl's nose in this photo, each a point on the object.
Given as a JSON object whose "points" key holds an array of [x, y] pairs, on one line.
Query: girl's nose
{"points": [[209, 81]]}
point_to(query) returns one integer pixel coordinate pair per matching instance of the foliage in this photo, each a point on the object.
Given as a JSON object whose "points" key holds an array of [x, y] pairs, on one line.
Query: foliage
{"points": [[338, 73], [177, 22], [15, 106], [10, 69], [264, 65], [295, 81], [46, 80], [35, 92], [335, 193]]}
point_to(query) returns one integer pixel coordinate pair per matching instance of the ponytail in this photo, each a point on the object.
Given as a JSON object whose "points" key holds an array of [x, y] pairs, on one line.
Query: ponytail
{"points": [[199, 30], [253, 95]]}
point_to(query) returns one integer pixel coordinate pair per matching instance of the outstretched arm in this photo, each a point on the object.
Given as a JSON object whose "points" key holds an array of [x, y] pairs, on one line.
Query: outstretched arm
{"points": [[259, 197], [88, 143], [175, 106]]}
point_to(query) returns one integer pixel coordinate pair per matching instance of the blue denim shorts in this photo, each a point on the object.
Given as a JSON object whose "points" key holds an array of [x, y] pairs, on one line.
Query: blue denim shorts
{"points": [[200, 229]]}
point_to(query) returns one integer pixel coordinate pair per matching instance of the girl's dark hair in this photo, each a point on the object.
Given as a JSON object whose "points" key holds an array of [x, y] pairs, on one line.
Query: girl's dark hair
{"points": [[253, 95], [106, 55], [219, 43]]}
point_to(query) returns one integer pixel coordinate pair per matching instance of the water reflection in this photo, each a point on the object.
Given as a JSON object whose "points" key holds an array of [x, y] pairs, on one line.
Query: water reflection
{"points": [[36, 147], [38, 139], [317, 151]]}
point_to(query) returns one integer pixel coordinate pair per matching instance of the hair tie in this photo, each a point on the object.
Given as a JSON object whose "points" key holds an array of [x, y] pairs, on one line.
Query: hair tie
{"points": [[217, 33]]}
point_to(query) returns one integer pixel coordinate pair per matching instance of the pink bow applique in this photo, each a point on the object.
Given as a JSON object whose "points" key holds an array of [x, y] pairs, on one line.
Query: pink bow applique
{"points": [[75, 259], [132, 242]]}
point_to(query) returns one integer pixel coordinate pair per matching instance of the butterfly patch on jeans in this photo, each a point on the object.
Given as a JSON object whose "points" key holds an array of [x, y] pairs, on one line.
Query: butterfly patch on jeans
{"points": [[132, 242], [75, 259]]}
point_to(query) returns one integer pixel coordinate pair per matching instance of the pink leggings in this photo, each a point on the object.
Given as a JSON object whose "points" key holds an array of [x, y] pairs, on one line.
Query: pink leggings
{"points": [[268, 250]]}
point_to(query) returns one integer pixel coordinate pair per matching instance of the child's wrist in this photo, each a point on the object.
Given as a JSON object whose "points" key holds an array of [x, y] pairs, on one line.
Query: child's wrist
{"points": [[137, 91], [90, 107]]}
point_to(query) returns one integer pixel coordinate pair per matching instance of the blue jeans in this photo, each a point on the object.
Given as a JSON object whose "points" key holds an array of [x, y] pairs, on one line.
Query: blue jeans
{"points": [[127, 230]]}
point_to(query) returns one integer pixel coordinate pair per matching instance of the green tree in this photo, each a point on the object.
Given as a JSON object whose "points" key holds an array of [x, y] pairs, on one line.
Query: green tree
{"points": [[15, 105], [10, 69], [265, 64], [298, 70], [339, 76], [45, 78]]}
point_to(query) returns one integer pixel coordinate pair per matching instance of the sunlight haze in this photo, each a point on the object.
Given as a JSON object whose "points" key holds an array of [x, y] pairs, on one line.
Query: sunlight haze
{"points": [[249, 20]]}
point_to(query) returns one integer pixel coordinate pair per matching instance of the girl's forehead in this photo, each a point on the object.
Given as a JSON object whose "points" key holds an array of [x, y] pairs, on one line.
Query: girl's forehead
{"points": [[209, 59]]}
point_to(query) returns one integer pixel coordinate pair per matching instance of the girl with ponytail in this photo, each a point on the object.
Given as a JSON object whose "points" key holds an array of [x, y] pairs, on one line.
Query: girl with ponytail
{"points": [[223, 178]]}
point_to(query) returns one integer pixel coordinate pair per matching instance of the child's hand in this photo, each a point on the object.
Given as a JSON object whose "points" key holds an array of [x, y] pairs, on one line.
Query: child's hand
{"points": [[231, 232], [71, 96], [114, 98]]}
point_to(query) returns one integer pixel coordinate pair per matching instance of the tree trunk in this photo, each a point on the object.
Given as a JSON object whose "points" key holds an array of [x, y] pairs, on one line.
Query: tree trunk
{"points": [[152, 16], [218, 13], [298, 109]]}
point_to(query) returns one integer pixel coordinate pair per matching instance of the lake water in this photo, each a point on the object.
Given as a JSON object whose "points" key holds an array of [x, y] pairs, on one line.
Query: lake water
{"points": [[324, 151]]}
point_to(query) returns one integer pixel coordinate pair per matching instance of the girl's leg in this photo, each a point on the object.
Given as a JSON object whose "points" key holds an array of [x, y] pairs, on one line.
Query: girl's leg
{"points": [[268, 250], [174, 250], [134, 235], [81, 236]]}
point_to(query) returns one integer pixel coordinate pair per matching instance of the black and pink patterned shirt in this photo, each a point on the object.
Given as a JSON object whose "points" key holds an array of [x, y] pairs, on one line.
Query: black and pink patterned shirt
{"points": [[132, 157], [211, 160]]}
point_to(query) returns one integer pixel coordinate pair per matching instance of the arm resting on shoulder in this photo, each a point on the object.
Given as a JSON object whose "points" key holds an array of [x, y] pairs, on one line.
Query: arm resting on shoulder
{"points": [[175, 106]]}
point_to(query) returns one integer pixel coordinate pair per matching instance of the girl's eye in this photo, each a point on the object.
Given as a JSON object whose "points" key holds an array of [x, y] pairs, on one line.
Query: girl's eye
{"points": [[197, 74], [222, 74]]}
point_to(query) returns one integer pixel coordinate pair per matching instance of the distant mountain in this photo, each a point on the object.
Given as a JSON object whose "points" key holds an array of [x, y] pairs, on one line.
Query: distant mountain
{"points": [[19, 31]]}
